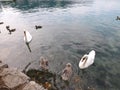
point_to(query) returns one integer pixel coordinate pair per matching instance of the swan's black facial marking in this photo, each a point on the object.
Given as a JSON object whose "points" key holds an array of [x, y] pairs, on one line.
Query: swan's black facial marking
{"points": [[85, 58]]}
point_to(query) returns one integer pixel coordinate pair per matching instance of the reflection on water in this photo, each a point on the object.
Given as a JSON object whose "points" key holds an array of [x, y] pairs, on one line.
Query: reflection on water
{"points": [[27, 4], [30, 4], [27, 44], [71, 28]]}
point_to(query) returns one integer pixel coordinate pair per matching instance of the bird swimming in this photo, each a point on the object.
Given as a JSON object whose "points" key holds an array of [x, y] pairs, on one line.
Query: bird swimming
{"points": [[1, 22], [67, 72], [87, 60], [37, 27], [27, 37], [43, 63], [10, 30], [118, 18]]}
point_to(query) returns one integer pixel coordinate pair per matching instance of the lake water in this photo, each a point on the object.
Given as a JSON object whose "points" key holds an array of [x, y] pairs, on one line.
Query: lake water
{"points": [[71, 28]]}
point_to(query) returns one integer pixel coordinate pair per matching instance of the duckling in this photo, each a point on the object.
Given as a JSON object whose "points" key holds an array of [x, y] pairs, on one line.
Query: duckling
{"points": [[1, 22], [10, 30], [38, 27], [43, 63], [118, 18], [67, 72]]}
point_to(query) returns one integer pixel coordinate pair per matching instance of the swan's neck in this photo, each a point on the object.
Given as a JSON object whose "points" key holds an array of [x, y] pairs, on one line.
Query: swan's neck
{"points": [[25, 36]]}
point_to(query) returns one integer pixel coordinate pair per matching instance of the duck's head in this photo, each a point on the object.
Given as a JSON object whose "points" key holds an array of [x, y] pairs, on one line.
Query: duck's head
{"points": [[42, 58], [7, 27], [68, 65]]}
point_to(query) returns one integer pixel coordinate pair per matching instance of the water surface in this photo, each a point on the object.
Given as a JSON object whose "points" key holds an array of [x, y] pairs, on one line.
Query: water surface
{"points": [[71, 28]]}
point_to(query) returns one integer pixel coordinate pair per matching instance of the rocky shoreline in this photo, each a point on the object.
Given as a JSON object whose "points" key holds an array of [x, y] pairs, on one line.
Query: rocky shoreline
{"points": [[14, 79]]}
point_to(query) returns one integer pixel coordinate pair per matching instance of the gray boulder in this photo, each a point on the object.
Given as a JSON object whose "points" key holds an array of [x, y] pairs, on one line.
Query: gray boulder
{"points": [[13, 78]]}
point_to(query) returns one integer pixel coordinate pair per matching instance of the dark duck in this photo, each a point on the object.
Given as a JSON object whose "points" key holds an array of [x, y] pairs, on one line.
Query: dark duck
{"points": [[10, 30], [38, 27], [118, 18], [1, 22]]}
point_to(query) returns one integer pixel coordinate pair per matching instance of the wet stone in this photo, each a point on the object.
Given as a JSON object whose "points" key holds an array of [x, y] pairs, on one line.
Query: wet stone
{"points": [[33, 86], [2, 65], [13, 77]]}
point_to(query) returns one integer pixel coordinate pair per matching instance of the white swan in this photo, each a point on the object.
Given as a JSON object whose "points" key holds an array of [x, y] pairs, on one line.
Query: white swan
{"points": [[87, 60], [67, 72], [27, 37]]}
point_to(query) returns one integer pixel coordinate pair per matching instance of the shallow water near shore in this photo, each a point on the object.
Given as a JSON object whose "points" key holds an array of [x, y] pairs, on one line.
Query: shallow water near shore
{"points": [[70, 28]]}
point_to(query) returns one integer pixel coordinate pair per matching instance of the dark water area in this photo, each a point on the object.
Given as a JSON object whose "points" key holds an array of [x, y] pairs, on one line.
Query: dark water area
{"points": [[70, 29]]}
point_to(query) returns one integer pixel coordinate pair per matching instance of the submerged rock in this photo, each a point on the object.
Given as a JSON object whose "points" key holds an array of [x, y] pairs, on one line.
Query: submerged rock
{"points": [[44, 78]]}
